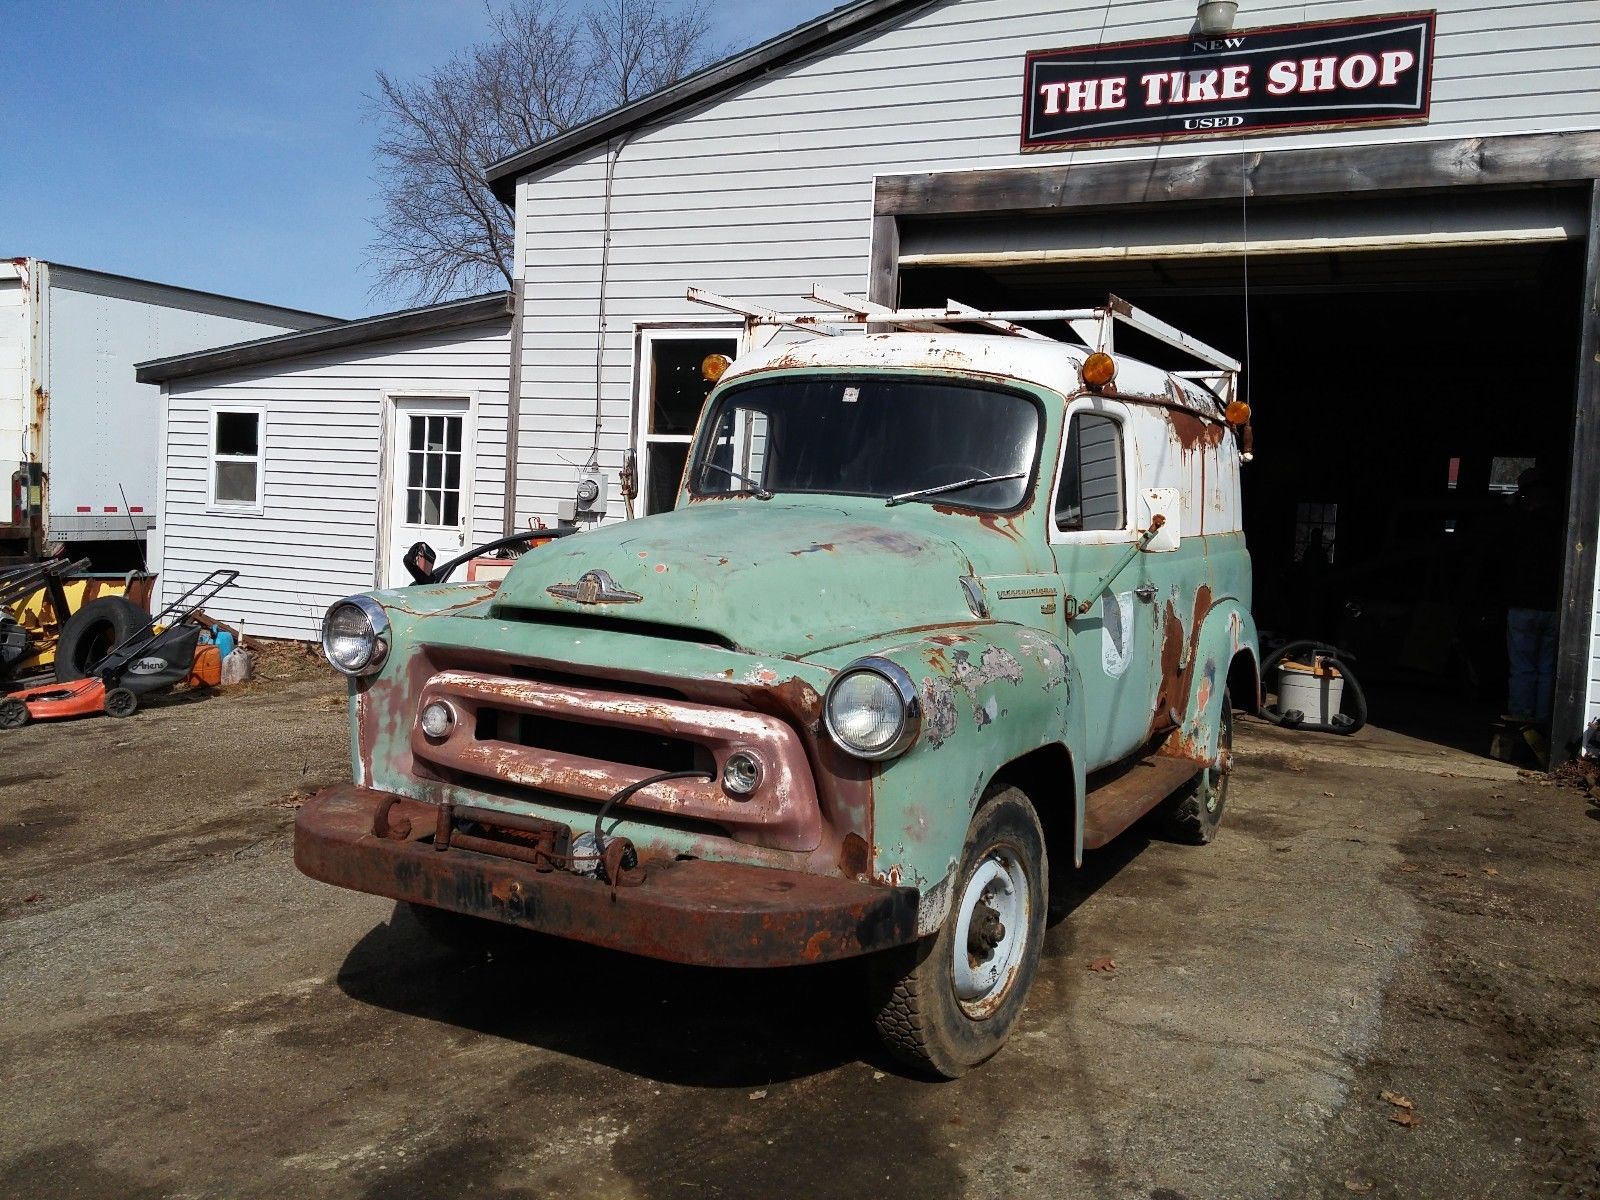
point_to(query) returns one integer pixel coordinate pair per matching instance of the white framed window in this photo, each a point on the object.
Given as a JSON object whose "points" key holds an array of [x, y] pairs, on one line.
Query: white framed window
{"points": [[1092, 496], [672, 391], [235, 458]]}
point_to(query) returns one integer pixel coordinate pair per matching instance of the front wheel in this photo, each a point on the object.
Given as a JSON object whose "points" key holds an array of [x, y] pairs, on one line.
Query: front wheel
{"points": [[948, 1002]]}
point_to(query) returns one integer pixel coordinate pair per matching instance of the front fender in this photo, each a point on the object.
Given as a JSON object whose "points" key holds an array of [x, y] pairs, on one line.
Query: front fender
{"points": [[990, 695]]}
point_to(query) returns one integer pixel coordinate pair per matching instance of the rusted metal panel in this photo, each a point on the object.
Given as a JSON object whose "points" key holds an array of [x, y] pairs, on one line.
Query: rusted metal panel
{"points": [[701, 913], [782, 811]]}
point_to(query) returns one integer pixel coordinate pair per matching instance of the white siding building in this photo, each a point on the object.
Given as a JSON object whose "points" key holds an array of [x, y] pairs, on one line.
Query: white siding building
{"points": [[879, 151], [1401, 243], [309, 462]]}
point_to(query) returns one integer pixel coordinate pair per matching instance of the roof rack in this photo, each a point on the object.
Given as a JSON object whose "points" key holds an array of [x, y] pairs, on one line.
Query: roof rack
{"points": [[1094, 327]]}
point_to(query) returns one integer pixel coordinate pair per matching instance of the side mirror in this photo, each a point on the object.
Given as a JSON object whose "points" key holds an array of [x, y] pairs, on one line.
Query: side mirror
{"points": [[418, 562], [1167, 504]]}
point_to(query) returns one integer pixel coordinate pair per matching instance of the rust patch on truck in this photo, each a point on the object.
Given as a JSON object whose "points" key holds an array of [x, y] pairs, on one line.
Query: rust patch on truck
{"points": [[1179, 651], [1195, 432]]}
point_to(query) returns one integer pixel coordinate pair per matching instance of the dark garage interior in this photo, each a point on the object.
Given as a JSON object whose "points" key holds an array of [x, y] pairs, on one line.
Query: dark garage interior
{"points": [[1397, 397]]}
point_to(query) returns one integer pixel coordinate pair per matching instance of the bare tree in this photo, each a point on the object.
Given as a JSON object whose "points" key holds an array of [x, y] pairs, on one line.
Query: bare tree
{"points": [[549, 68]]}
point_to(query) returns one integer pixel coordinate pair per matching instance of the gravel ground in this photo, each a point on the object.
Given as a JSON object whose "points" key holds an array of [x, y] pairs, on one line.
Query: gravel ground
{"points": [[187, 1016]]}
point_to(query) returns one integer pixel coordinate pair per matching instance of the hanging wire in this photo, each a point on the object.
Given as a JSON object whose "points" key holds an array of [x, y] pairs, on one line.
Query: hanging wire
{"points": [[1244, 221]]}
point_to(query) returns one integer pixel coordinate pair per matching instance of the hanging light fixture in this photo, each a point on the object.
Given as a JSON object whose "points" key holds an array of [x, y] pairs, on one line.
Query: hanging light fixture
{"points": [[1215, 17]]}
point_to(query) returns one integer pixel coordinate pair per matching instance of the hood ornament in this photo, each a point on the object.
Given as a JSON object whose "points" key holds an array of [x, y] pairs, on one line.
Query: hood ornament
{"points": [[594, 587]]}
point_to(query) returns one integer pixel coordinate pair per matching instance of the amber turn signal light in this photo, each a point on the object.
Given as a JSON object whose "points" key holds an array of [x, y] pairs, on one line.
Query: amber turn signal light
{"points": [[713, 365], [1098, 370], [1238, 413]]}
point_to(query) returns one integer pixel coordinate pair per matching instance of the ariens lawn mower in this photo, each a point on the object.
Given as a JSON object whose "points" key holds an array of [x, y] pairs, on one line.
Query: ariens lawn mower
{"points": [[154, 659]]}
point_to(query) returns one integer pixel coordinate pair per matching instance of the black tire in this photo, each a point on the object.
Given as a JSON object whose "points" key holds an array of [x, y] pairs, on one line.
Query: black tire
{"points": [[120, 702], [458, 931], [1195, 810], [920, 1014], [14, 714], [91, 633]]}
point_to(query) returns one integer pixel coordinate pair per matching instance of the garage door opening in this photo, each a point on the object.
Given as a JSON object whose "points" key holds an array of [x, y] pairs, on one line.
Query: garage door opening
{"points": [[1398, 398]]}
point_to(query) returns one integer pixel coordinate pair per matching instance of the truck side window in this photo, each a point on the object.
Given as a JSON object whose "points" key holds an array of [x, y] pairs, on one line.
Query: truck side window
{"points": [[1090, 496]]}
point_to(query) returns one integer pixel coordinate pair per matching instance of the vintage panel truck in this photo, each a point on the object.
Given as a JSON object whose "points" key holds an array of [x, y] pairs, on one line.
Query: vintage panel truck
{"points": [[936, 612]]}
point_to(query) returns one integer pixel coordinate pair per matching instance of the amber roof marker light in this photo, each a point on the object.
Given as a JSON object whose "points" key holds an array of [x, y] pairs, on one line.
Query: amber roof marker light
{"points": [[1098, 370], [712, 366]]}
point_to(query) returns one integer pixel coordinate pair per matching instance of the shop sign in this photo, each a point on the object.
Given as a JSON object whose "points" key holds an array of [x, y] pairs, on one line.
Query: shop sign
{"points": [[1326, 75]]}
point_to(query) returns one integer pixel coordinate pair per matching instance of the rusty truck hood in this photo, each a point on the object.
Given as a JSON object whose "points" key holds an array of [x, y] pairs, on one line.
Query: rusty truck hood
{"points": [[768, 577]]}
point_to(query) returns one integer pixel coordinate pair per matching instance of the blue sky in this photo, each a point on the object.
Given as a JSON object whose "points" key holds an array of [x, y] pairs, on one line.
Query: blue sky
{"points": [[225, 145]]}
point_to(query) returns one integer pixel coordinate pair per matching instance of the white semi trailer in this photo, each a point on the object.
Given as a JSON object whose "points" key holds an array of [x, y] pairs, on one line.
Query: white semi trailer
{"points": [[79, 436]]}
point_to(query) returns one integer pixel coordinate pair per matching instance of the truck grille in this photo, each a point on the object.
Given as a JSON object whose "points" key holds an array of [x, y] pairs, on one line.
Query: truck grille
{"points": [[586, 743]]}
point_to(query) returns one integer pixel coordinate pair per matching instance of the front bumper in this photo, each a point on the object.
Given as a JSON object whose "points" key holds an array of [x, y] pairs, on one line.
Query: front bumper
{"points": [[695, 911]]}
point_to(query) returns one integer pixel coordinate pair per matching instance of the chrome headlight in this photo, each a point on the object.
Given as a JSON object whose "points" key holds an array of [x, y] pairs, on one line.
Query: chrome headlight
{"points": [[872, 709], [355, 636]]}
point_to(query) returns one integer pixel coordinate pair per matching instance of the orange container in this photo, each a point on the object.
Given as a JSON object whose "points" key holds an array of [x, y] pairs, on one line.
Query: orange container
{"points": [[207, 669]]}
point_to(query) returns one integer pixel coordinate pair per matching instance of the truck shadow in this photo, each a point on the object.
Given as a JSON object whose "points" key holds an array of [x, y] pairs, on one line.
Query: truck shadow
{"points": [[688, 1026]]}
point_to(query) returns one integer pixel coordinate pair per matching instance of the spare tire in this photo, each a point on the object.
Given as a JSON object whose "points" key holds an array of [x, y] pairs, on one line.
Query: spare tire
{"points": [[93, 631]]}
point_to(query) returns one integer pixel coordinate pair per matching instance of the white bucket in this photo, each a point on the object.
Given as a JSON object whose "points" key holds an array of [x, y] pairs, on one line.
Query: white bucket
{"points": [[1315, 690]]}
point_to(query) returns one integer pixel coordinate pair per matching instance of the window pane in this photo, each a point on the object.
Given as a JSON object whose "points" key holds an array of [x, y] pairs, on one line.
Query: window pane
{"points": [[413, 506], [884, 436], [435, 470], [430, 508], [452, 471], [452, 508], [414, 469], [679, 388], [417, 425], [453, 433], [666, 469], [237, 434], [1091, 490], [435, 433], [236, 482]]}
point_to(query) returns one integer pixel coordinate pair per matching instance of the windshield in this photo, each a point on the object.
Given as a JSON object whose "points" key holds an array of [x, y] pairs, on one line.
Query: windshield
{"points": [[887, 436]]}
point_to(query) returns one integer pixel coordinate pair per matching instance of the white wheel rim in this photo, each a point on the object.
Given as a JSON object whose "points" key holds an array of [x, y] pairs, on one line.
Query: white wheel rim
{"points": [[982, 981]]}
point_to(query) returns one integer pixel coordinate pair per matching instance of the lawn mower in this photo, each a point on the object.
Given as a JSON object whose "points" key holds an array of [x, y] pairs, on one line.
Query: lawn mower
{"points": [[152, 660]]}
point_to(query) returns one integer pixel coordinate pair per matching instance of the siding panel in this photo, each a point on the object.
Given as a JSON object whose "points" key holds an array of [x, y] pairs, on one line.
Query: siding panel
{"points": [[316, 539]]}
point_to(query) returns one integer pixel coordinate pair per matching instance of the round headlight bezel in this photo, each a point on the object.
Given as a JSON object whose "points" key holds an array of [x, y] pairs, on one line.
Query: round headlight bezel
{"points": [[905, 689], [378, 627]]}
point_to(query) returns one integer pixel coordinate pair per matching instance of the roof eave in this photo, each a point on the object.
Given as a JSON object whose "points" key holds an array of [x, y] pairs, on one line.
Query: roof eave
{"points": [[451, 314], [806, 39]]}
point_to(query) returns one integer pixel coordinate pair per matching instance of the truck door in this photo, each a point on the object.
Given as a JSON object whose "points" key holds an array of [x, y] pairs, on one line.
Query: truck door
{"points": [[1094, 525]]}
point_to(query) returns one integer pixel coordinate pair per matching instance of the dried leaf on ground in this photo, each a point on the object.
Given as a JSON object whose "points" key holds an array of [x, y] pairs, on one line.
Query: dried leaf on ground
{"points": [[1103, 964], [1403, 1116], [1490, 871], [33, 897], [292, 801], [1409, 867], [1327, 794], [1358, 1186], [761, 1095], [1396, 1099]]}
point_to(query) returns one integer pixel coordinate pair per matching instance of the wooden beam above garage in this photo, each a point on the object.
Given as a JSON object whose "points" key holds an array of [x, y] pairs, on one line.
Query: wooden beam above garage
{"points": [[1519, 160]]}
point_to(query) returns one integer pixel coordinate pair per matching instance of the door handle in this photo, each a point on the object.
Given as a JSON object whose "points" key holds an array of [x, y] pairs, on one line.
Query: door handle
{"points": [[1146, 593]]}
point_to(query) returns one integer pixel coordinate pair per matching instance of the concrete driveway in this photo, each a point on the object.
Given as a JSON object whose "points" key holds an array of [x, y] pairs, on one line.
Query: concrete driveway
{"points": [[184, 1015]]}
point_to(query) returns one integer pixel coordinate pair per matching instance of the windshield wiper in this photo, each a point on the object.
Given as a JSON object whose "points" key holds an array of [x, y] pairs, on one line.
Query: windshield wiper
{"points": [[755, 488], [950, 487]]}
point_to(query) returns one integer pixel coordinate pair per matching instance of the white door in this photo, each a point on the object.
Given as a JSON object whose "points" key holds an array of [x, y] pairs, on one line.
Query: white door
{"points": [[430, 492]]}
